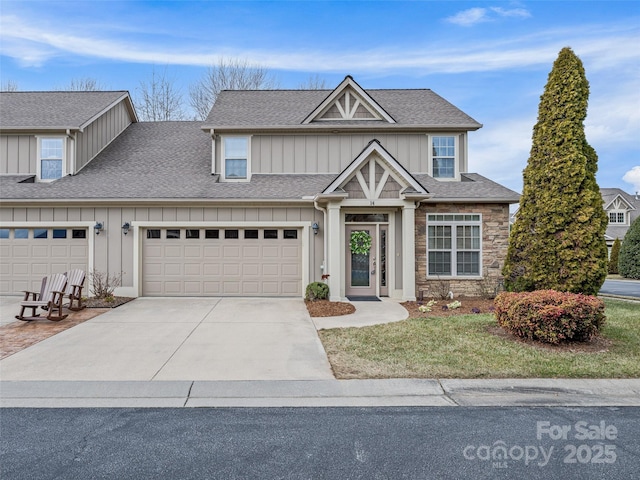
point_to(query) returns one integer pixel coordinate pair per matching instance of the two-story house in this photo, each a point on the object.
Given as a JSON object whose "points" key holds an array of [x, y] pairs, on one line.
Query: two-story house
{"points": [[622, 209], [365, 189]]}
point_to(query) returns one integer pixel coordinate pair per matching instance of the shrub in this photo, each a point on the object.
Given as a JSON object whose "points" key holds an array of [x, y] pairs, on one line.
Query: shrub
{"points": [[317, 291], [104, 285], [550, 316], [613, 260], [629, 260]]}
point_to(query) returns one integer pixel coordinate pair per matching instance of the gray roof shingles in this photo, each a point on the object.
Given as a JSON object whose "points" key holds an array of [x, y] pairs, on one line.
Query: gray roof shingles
{"points": [[288, 108], [172, 160], [49, 110]]}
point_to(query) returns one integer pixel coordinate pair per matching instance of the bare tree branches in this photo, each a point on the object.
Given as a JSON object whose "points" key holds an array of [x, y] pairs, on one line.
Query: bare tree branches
{"points": [[228, 74], [159, 99], [83, 85], [314, 82], [10, 86]]}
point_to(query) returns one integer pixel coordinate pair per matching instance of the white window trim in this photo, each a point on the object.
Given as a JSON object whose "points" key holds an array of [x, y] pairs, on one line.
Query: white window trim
{"points": [[223, 159], [456, 158], [39, 139], [624, 212], [453, 224]]}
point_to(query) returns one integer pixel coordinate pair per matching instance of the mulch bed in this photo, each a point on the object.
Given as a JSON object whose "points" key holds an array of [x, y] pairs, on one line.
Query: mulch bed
{"points": [[325, 308], [482, 305], [93, 302]]}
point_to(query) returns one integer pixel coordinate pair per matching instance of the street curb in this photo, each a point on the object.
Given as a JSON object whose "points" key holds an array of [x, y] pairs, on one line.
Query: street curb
{"points": [[322, 393]]}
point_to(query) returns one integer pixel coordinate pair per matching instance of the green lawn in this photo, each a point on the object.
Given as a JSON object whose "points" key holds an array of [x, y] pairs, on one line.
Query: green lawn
{"points": [[464, 347]]}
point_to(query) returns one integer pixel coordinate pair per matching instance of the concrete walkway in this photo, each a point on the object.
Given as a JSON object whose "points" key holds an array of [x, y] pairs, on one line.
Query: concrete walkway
{"points": [[366, 314]]}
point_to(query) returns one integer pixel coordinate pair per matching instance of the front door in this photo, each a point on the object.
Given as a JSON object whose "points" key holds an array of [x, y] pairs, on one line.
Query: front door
{"points": [[361, 260]]}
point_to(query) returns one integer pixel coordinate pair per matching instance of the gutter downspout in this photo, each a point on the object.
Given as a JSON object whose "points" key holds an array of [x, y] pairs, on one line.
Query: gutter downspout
{"points": [[324, 234]]}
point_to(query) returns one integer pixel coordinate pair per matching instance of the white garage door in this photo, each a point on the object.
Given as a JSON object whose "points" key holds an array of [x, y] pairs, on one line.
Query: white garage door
{"points": [[29, 254], [221, 262]]}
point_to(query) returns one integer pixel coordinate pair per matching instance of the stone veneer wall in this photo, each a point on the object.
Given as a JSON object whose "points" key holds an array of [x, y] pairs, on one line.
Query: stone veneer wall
{"points": [[495, 239]]}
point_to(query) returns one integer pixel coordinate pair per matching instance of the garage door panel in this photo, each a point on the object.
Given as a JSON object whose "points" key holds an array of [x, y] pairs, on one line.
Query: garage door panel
{"points": [[191, 251], [173, 269], [25, 261], [59, 251], [221, 266], [232, 251], [193, 269], [271, 251], [209, 269], [270, 270], [40, 250], [290, 269], [252, 251]]}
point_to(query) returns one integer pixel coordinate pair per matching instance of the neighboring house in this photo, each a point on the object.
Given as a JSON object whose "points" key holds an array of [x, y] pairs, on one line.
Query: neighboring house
{"points": [[622, 209], [258, 200]]}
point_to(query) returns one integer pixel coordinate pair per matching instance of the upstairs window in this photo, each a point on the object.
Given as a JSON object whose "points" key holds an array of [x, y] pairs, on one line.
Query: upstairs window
{"points": [[51, 158], [617, 217], [236, 158], [444, 157]]}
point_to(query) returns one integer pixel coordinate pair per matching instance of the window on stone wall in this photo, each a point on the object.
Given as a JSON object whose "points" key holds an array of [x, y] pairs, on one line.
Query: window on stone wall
{"points": [[454, 245]]}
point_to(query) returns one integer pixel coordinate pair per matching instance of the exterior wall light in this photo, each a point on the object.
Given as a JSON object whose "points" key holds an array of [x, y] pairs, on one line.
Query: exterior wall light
{"points": [[315, 228], [125, 227], [98, 227]]}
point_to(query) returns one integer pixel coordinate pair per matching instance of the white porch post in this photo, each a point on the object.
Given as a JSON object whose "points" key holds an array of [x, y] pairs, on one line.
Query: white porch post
{"points": [[334, 253], [408, 252]]}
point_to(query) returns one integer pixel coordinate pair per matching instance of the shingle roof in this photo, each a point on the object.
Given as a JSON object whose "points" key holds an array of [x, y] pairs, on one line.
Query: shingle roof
{"points": [[172, 160], [288, 108], [473, 187], [49, 110]]}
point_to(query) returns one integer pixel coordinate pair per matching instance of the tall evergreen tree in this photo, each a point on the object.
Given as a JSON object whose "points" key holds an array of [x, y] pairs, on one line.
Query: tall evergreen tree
{"points": [[613, 259], [629, 260], [557, 241]]}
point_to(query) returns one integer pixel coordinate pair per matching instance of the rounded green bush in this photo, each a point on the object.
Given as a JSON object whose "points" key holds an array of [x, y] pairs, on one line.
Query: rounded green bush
{"points": [[317, 291]]}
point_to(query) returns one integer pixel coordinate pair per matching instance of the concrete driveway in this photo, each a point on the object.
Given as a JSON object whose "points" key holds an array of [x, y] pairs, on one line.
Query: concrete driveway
{"points": [[181, 339]]}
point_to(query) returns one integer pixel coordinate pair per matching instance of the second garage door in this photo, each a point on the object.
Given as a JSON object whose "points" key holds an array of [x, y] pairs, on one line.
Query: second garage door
{"points": [[221, 262]]}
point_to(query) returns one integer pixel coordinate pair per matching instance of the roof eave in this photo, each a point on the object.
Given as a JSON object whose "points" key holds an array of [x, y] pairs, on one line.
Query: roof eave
{"points": [[318, 127]]}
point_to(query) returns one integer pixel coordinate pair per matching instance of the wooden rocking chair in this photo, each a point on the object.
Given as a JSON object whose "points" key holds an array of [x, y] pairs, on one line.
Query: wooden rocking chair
{"points": [[49, 298], [75, 282]]}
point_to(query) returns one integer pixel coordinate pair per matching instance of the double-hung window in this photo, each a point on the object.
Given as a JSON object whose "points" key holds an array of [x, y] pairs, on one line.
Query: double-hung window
{"points": [[454, 245], [617, 217], [51, 158], [236, 158], [444, 157]]}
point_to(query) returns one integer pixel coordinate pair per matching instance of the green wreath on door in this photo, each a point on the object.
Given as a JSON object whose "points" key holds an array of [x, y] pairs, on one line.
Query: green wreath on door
{"points": [[360, 242]]}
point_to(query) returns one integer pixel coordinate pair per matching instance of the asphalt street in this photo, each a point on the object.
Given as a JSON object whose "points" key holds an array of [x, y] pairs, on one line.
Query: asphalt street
{"points": [[321, 443], [621, 287]]}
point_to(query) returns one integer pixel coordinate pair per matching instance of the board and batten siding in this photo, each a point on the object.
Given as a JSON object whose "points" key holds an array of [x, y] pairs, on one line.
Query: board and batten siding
{"points": [[100, 133], [18, 154], [113, 251], [331, 153]]}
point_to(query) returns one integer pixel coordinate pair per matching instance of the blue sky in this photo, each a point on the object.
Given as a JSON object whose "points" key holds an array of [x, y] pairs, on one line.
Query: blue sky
{"points": [[491, 59]]}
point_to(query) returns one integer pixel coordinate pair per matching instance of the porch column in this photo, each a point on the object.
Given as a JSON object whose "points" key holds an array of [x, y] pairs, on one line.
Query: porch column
{"points": [[408, 252], [334, 252]]}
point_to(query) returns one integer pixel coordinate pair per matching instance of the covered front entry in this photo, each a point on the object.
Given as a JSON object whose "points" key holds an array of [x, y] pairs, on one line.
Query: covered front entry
{"points": [[366, 259], [222, 261], [376, 196]]}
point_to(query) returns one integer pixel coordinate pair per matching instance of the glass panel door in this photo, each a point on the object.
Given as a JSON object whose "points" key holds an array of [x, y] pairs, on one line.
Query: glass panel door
{"points": [[361, 265]]}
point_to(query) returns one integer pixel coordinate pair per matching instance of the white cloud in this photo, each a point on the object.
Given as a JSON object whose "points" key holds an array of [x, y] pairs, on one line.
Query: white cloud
{"points": [[473, 16], [469, 17], [514, 12], [633, 177]]}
